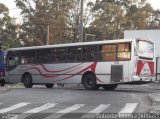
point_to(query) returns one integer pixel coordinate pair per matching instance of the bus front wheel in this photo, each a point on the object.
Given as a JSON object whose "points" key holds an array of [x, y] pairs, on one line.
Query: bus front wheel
{"points": [[89, 82], [2, 82], [109, 86], [49, 85], [27, 81]]}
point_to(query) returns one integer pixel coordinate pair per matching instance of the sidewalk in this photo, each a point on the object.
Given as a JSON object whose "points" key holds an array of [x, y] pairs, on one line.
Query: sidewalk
{"points": [[154, 101]]}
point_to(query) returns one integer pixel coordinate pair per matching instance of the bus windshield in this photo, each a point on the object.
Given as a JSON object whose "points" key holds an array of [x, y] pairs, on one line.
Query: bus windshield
{"points": [[145, 49]]}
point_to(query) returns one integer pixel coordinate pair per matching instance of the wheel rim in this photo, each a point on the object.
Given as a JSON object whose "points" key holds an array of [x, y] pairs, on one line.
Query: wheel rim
{"points": [[89, 81], [28, 81]]}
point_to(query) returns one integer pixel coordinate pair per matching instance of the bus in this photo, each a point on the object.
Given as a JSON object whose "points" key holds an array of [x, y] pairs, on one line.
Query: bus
{"points": [[94, 64], [2, 68]]}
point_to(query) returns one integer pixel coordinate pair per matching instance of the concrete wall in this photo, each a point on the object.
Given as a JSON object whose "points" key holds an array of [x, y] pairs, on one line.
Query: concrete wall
{"points": [[154, 35]]}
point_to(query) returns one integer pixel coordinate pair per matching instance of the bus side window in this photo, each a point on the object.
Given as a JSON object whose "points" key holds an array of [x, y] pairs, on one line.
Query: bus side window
{"points": [[13, 61], [108, 52], [59, 55], [124, 51], [27, 57], [74, 54], [43, 56], [89, 53]]}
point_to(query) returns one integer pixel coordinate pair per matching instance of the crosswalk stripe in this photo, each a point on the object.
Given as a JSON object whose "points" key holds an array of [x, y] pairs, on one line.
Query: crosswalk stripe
{"points": [[70, 109], [41, 108], [100, 108], [95, 111], [127, 109], [13, 107], [62, 112]]}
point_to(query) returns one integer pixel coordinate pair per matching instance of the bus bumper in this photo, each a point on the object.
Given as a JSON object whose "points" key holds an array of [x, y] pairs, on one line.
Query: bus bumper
{"points": [[147, 79]]}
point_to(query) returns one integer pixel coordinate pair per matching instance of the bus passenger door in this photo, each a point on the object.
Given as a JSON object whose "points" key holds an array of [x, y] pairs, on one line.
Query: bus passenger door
{"points": [[11, 67]]}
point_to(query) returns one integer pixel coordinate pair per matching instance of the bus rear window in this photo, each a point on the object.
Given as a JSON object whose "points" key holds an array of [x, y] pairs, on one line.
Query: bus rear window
{"points": [[145, 49]]}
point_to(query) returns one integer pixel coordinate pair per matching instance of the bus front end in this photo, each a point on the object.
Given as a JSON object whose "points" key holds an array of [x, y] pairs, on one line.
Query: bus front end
{"points": [[144, 65], [2, 68]]}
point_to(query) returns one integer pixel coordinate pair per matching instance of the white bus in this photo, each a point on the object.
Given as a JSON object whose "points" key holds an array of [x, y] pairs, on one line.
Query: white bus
{"points": [[93, 64]]}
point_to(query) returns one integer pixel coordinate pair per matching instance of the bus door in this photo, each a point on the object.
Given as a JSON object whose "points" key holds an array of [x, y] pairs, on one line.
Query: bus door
{"points": [[12, 63]]}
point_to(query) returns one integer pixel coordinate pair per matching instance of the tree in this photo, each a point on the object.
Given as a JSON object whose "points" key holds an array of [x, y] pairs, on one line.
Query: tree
{"points": [[38, 14], [112, 17], [154, 20], [108, 18], [8, 32]]}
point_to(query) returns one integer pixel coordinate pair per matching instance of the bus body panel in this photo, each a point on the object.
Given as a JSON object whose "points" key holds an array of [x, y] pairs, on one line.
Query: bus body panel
{"points": [[105, 71], [70, 73]]}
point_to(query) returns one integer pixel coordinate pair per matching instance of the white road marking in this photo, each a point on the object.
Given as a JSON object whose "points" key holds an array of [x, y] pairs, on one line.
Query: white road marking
{"points": [[100, 108], [41, 108], [127, 109], [13, 107], [72, 108], [95, 111], [65, 111]]}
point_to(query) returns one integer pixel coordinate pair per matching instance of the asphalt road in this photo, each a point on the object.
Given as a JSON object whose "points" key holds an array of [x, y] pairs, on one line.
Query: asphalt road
{"points": [[74, 102]]}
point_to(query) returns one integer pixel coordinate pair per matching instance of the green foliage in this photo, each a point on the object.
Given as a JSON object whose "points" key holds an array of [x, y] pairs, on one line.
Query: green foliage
{"points": [[112, 17], [37, 14], [8, 32], [104, 19]]}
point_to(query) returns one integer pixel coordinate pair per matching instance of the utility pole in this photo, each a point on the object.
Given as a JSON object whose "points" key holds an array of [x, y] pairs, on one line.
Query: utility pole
{"points": [[47, 43], [81, 23]]}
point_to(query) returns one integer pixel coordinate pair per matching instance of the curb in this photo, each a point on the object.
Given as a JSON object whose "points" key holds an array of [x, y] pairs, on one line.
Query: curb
{"points": [[154, 99], [4, 90]]}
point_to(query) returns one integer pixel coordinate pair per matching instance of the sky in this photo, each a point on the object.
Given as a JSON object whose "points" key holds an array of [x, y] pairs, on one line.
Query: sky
{"points": [[14, 12]]}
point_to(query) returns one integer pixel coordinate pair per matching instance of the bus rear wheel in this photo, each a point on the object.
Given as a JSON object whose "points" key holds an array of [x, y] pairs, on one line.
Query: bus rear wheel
{"points": [[89, 82], [109, 86], [27, 81], [49, 85]]}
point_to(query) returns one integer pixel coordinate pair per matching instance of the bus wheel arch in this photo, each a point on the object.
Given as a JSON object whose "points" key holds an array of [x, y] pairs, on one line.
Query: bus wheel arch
{"points": [[27, 80], [89, 81]]}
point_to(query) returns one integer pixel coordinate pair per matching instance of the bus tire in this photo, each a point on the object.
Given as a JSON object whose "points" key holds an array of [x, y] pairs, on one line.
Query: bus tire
{"points": [[89, 82], [27, 81], [2, 82], [49, 85], [109, 86]]}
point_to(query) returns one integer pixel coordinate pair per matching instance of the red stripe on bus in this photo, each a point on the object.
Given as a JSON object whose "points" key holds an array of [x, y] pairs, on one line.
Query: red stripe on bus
{"points": [[92, 67], [51, 71]]}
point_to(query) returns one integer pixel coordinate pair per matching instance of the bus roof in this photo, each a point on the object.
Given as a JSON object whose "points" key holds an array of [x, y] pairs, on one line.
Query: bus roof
{"points": [[71, 44]]}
